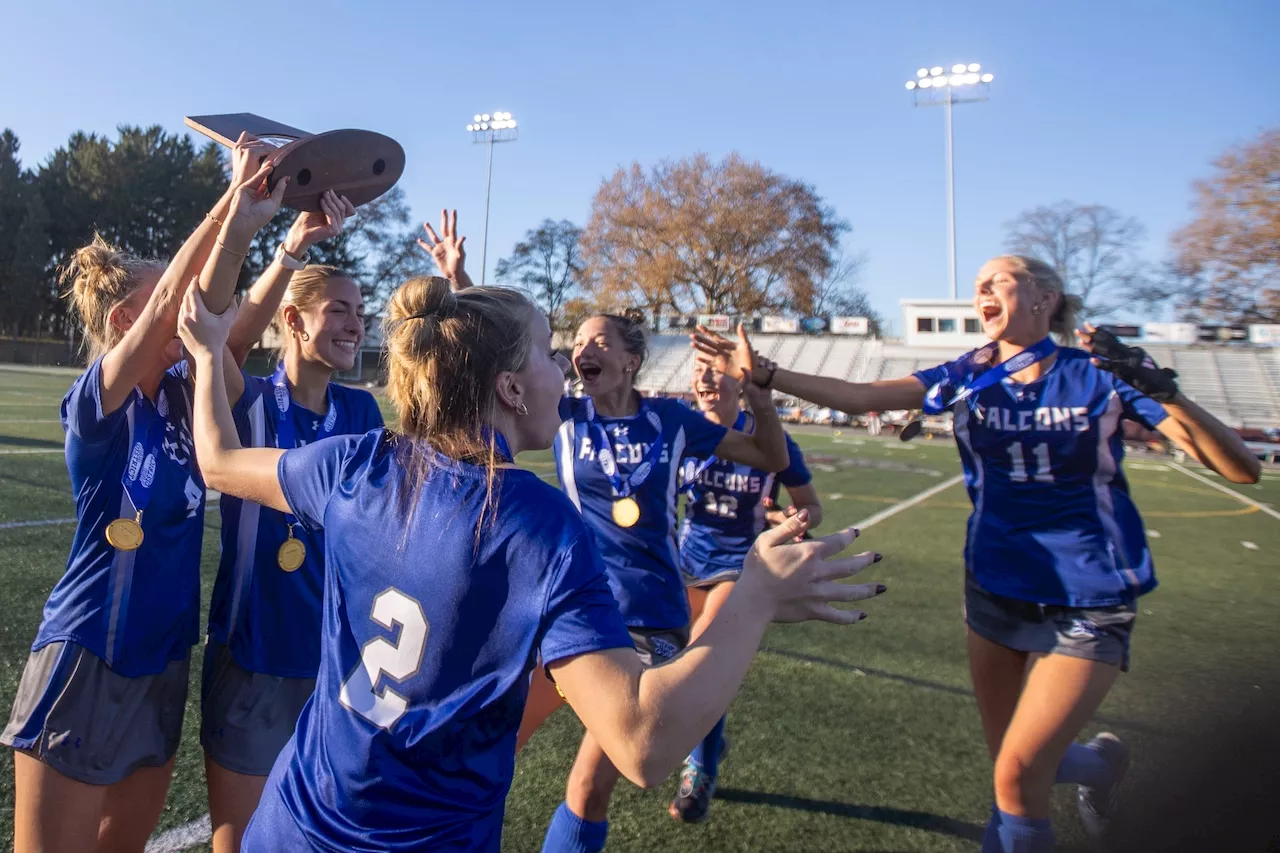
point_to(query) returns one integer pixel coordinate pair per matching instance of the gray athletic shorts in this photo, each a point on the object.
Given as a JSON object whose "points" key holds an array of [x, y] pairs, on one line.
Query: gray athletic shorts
{"points": [[246, 717], [92, 724], [1093, 633], [656, 646]]}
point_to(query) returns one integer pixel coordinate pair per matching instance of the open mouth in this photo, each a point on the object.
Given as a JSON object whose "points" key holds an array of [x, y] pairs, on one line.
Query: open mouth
{"points": [[346, 346], [707, 395], [990, 309], [589, 372]]}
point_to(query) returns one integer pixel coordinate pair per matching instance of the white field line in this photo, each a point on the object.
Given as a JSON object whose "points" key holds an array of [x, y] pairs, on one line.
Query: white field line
{"points": [[27, 451], [199, 831], [907, 504], [1242, 498]]}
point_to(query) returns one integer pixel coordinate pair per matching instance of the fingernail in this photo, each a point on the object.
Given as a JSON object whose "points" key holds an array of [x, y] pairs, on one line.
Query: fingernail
{"points": [[880, 588], [878, 558]]}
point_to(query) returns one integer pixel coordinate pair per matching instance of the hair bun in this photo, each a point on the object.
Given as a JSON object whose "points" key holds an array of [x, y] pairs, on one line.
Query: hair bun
{"points": [[91, 264], [422, 298]]}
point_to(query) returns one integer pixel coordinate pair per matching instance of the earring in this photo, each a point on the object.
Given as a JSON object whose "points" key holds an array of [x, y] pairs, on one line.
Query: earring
{"points": [[306, 336], [626, 370], [521, 408], [1037, 309]]}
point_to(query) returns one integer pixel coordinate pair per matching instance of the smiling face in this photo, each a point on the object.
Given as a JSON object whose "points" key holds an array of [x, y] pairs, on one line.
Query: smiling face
{"points": [[601, 358], [715, 393], [1010, 304], [334, 324]]}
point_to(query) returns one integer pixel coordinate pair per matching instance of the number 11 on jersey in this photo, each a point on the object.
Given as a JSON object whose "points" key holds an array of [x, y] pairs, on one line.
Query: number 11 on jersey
{"points": [[1017, 454]]}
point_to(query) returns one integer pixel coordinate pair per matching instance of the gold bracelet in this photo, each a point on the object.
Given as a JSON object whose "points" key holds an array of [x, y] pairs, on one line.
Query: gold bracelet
{"points": [[223, 247]]}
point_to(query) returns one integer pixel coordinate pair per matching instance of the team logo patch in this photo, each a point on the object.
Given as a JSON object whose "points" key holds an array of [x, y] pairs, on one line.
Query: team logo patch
{"points": [[663, 649], [1083, 629], [135, 461], [149, 471]]}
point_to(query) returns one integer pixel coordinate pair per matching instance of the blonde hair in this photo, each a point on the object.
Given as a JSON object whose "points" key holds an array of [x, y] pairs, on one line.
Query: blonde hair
{"points": [[98, 278], [1045, 277], [445, 351], [306, 288]]}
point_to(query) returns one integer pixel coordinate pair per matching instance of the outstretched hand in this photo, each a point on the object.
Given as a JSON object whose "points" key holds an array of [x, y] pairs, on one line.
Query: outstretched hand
{"points": [[1131, 364], [203, 332], [802, 579], [316, 226], [247, 156], [253, 205], [445, 250]]}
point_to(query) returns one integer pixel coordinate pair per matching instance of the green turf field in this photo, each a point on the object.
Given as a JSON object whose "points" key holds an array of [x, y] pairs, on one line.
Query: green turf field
{"points": [[859, 738]]}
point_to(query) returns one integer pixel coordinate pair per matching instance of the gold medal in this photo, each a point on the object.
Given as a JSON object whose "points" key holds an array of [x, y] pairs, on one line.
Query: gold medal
{"points": [[626, 512], [291, 554], [125, 533]]}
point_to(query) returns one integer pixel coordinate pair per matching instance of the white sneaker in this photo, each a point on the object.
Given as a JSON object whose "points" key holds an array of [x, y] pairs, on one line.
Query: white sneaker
{"points": [[1098, 806]]}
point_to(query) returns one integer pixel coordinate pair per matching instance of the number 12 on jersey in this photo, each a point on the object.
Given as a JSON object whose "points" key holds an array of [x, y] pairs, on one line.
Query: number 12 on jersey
{"points": [[1017, 454]]}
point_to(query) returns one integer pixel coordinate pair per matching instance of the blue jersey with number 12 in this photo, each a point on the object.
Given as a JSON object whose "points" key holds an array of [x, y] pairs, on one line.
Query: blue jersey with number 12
{"points": [[437, 605], [724, 513], [1052, 519]]}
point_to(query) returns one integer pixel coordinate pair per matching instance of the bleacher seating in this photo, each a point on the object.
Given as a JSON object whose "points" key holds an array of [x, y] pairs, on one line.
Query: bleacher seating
{"points": [[1240, 385]]}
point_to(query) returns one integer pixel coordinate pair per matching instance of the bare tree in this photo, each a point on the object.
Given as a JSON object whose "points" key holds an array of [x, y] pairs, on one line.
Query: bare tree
{"points": [[1093, 248], [548, 265], [694, 235]]}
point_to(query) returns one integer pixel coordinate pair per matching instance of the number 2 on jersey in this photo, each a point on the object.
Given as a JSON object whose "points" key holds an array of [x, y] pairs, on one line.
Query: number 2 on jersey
{"points": [[1017, 454], [381, 657]]}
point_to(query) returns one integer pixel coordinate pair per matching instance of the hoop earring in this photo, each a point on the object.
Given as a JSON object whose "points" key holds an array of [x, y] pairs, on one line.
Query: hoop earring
{"points": [[522, 409], [305, 335]]}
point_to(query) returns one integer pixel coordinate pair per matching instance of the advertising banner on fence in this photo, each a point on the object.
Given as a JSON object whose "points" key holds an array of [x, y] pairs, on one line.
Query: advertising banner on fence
{"points": [[716, 322], [1170, 333], [779, 325], [849, 325], [1265, 334]]}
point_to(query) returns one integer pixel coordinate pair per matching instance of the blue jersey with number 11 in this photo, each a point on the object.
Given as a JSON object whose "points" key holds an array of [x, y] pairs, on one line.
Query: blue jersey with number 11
{"points": [[1052, 518]]}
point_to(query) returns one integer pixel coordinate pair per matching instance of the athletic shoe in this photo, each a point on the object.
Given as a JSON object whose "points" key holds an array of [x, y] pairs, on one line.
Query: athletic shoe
{"points": [[1097, 806], [693, 798]]}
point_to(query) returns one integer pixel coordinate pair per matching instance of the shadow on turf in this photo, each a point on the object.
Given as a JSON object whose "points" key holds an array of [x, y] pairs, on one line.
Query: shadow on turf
{"points": [[20, 441], [933, 685], [880, 814]]}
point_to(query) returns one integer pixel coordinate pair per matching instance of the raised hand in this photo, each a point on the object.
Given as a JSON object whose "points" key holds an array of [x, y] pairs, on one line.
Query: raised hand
{"points": [[247, 156], [445, 250], [732, 358], [252, 206], [1131, 364], [802, 579], [316, 226], [202, 331]]}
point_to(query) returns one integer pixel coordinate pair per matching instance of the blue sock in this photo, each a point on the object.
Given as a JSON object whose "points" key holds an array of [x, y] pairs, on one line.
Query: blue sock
{"points": [[1083, 766], [707, 754], [991, 838], [1024, 834], [569, 833]]}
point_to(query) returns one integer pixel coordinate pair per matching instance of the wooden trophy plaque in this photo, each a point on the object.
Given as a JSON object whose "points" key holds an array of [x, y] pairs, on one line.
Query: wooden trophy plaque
{"points": [[358, 164]]}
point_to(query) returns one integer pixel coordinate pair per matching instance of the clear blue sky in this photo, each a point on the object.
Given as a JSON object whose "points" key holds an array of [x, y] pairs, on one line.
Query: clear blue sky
{"points": [[1120, 103]]}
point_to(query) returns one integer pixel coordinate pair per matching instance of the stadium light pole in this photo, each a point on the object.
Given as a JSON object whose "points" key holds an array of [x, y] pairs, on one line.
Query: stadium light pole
{"points": [[488, 129], [934, 87]]}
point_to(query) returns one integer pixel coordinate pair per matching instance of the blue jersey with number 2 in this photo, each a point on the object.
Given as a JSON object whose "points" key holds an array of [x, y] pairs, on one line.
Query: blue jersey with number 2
{"points": [[437, 605], [1052, 519]]}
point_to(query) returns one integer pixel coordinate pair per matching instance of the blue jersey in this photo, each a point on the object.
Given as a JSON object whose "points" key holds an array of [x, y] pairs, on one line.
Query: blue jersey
{"points": [[724, 513], [1052, 518], [270, 618], [642, 561], [432, 630], [136, 610]]}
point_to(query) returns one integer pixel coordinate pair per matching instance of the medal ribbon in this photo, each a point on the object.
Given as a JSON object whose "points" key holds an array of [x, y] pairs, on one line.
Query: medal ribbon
{"points": [[962, 370], [693, 470], [604, 451], [148, 430], [286, 436]]}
